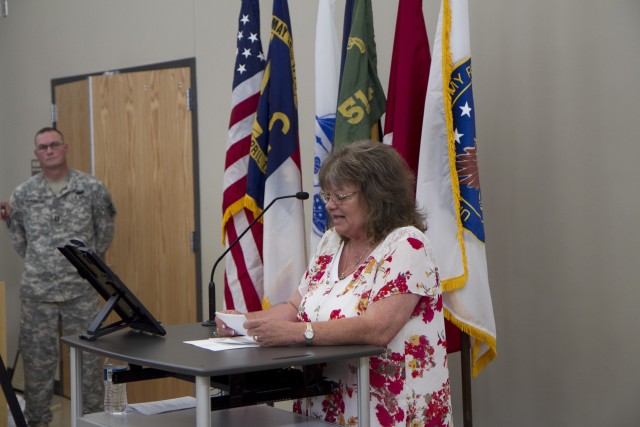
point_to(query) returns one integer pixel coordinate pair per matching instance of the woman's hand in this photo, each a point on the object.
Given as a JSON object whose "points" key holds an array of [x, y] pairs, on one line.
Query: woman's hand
{"points": [[222, 330], [276, 332]]}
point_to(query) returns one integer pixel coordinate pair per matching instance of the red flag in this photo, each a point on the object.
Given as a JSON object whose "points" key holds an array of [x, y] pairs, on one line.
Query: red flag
{"points": [[408, 81]]}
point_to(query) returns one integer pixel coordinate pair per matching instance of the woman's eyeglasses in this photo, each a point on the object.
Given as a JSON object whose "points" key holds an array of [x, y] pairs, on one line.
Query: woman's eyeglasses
{"points": [[338, 199]]}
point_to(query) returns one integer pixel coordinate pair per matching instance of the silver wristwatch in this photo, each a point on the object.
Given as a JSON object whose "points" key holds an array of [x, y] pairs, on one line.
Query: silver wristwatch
{"points": [[308, 334]]}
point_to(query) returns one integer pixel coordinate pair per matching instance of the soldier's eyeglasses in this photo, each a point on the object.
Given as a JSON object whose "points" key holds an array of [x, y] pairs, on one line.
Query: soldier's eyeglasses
{"points": [[54, 146]]}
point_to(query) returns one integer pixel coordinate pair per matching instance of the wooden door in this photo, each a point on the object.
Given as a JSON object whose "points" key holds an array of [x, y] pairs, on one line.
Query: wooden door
{"points": [[143, 153], [141, 130], [73, 120]]}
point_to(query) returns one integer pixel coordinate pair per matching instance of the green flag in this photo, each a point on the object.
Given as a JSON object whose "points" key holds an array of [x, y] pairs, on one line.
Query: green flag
{"points": [[361, 102]]}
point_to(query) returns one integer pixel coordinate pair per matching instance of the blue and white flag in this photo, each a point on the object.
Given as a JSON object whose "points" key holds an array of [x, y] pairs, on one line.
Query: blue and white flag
{"points": [[274, 166], [327, 82], [448, 185]]}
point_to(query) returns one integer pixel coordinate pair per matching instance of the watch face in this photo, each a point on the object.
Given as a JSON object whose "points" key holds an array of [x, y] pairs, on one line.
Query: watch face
{"points": [[308, 334]]}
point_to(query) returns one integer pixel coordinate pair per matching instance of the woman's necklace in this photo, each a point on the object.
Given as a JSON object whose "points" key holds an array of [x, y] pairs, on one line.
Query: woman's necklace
{"points": [[347, 267]]}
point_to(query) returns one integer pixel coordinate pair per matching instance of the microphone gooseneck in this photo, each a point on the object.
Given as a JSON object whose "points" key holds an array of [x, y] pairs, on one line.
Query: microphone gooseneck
{"points": [[301, 195]]}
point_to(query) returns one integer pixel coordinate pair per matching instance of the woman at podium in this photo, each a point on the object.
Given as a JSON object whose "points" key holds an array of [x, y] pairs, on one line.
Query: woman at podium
{"points": [[372, 280]]}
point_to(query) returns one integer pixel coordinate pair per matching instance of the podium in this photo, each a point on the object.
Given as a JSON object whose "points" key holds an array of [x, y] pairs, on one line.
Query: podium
{"points": [[170, 355]]}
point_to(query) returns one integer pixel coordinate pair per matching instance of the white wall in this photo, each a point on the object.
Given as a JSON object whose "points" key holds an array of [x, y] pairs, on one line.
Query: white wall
{"points": [[556, 93]]}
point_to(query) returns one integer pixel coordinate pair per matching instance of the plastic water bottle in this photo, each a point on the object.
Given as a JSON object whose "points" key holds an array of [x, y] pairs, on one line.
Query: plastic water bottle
{"points": [[115, 395]]}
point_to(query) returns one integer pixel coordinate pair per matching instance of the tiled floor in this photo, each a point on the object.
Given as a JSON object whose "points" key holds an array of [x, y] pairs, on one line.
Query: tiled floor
{"points": [[61, 408]]}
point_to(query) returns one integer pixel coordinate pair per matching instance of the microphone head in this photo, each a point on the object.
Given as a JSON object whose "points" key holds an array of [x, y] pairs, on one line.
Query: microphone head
{"points": [[302, 195]]}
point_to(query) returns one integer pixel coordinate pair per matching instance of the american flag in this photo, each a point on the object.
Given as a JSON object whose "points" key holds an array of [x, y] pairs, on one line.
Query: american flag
{"points": [[243, 279]]}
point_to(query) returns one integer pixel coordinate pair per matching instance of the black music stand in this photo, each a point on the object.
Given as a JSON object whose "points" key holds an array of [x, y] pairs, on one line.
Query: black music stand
{"points": [[10, 396], [117, 296]]}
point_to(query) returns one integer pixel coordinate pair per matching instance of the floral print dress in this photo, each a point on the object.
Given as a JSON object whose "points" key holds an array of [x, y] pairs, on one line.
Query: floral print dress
{"points": [[410, 381]]}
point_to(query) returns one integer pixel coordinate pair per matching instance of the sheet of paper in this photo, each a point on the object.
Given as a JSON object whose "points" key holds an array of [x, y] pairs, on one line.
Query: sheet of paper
{"points": [[160, 406], [233, 321], [227, 343]]}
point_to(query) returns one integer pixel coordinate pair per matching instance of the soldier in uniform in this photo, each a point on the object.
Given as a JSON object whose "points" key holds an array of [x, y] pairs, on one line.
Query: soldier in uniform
{"points": [[44, 212]]}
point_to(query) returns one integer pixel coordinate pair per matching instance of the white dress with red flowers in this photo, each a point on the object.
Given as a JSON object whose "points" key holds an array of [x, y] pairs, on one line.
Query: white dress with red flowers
{"points": [[410, 381]]}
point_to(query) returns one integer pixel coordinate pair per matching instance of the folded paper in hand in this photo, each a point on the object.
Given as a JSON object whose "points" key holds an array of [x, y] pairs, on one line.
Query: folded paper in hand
{"points": [[233, 321]]}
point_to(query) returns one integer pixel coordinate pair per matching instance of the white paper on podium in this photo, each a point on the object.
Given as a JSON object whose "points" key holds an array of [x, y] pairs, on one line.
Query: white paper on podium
{"points": [[225, 343], [160, 406]]}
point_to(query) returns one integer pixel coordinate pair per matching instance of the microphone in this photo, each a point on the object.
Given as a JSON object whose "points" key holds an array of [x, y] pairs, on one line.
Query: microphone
{"points": [[300, 195]]}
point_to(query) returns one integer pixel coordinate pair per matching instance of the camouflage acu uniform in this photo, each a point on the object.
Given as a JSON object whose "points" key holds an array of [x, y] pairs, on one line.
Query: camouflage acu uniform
{"points": [[51, 287]]}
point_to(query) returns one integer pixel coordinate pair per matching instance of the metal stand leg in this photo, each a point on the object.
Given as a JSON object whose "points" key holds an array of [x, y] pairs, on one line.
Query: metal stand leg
{"points": [[203, 402], [10, 396], [75, 358], [364, 394], [465, 361]]}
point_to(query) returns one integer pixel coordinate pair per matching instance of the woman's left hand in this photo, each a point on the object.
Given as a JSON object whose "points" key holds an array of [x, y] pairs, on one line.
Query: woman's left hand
{"points": [[275, 332], [222, 330]]}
